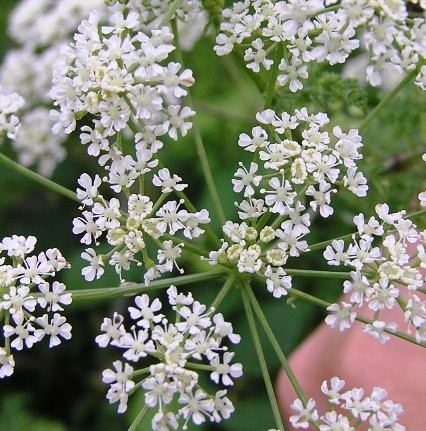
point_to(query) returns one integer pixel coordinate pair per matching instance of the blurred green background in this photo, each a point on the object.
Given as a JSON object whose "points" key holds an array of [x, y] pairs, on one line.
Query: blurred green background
{"points": [[61, 389]]}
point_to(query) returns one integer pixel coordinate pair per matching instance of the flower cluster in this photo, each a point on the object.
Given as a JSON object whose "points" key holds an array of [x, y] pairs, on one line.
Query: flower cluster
{"points": [[9, 105], [348, 409], [190, 16], [300, 167], [42, 29], [172, 384], [128, 232], [39, 30], [23, 291], [296, 33], [116, 75], [382, 277]]}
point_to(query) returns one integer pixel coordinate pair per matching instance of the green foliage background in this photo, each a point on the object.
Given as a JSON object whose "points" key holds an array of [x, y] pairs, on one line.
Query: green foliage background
{"points": [[61, 389]]}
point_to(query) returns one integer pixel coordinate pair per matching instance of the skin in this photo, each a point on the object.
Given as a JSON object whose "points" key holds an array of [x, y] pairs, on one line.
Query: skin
{"points": [[397, 366]]}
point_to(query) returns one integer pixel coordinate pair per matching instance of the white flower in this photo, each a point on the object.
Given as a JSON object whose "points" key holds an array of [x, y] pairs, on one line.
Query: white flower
{"points": [[196, 406], [170, 217], [334, 421], [167, 182], [146, 314], [18, 246], [195, 318], [224, 329], [321, 198], [51, 298], [54, 328], [169, 254], [192, 222], [257, 56], [380, 330], [358, 286], [223, 371], [90, 188], [113, 329], [159, 390], [223, 407], [137, 343], [177, 121], [277, 282], [292, 72], [7, 363], [121, 384], [247, 178], [304, 414], [95, 269], [355, 182], [259, 139], [17, 299], [335, 254], [178, 298], [88, 226], [23, 330], [342, 316], [249, 260], [333, 393], [281, 197]]}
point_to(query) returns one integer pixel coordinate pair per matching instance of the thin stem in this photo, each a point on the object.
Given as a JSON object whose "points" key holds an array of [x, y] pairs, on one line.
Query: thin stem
{"points": [[247, 97], [324, 244], [206, 227], [416, 214], [261, 358], [38, 178], [201, 367], [396, 334], [373, 114], [223, 292], [139, 418], [135, 288], [273, 77], [324, 304], [276, 346], [312, 273], [199, 144], [305, 296], [187, 245], [222, 114], [171, 11]]}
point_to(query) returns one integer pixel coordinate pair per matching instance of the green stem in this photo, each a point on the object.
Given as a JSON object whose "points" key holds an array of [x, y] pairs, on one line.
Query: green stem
{"points": [[261, 358], [129, 289], [139, 418], [324, 244], [223, 292], [201, 367], [396, 334], [274, 342], [324, 304], [295, 293], [187, 245], [171, 11], [199, 144], [38, 178], [373, 114], [312, 273], [416, 214], [273, 77], [206, 227]]}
